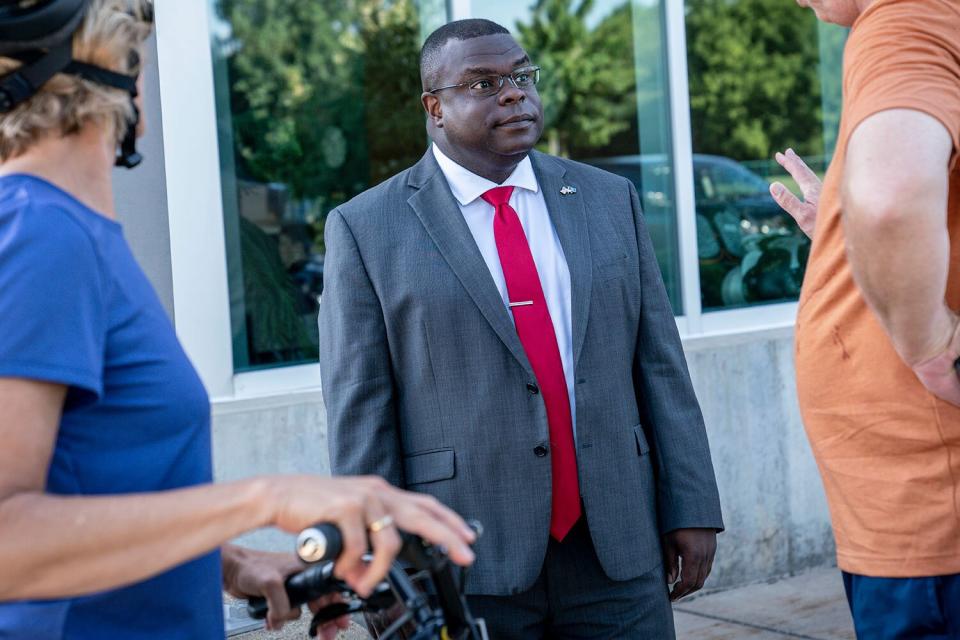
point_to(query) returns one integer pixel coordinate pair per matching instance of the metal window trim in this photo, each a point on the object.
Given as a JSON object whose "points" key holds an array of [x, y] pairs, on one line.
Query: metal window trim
{"points": [[676, 39]]}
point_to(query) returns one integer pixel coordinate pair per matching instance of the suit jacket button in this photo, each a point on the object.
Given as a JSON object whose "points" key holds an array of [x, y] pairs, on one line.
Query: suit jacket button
{"points": [[540, 451], [533, 389]]}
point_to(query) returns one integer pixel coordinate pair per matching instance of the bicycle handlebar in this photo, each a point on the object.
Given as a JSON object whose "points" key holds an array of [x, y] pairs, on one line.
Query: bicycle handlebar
{"points": [[311, 583], [319, 543], [441, 611]]}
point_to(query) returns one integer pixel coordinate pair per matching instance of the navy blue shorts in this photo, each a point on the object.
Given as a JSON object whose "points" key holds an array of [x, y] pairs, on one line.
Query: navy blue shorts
{"points": [[904, 608]]}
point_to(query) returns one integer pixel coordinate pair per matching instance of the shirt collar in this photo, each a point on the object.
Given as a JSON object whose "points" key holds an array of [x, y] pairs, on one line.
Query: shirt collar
{"points": [[468, 186]]}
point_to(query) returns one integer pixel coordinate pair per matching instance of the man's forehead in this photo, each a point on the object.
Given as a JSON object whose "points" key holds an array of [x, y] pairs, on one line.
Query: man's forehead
{"points": [[496, 50]]}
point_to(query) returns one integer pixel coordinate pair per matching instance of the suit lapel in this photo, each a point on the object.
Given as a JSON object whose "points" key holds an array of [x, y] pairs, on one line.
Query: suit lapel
{"points": [[569, 217], [440, 215]]}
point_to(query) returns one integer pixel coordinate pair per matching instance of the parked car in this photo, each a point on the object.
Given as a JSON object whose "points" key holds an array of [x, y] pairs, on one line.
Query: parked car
{"points": [[750, 250]]}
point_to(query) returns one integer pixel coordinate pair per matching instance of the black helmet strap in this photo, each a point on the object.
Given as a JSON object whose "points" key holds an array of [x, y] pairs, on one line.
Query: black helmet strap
{"points": [[127, 155], [103, 76], [39, 67]]}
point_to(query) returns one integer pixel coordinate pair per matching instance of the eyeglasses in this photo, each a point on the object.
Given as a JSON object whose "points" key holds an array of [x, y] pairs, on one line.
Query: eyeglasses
{"points": [[490, 85]]}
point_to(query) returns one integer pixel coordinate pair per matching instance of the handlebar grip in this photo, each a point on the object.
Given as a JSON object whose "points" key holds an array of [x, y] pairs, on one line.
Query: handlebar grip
{"points": [[319, 543], [309, 584]]}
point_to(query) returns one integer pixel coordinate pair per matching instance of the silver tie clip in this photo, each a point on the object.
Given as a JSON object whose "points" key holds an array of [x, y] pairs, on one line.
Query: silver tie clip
{"points": [[525, 303]]}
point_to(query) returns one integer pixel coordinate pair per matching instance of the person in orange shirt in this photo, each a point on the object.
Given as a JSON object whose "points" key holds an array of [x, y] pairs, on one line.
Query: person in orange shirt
{"points": [[878, 333]]}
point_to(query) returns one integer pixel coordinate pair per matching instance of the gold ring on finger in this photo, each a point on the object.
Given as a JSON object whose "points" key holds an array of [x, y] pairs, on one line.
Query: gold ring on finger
{"points": [[381, 524]]}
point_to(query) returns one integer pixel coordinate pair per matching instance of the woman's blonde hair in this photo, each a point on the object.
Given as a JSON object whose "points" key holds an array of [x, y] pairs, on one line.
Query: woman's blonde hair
{"points": [[111, 36]]}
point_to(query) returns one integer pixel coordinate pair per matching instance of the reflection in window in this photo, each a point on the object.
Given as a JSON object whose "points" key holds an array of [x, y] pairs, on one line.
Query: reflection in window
{"points": [[764, 76], [317, 101], [605, 98]]}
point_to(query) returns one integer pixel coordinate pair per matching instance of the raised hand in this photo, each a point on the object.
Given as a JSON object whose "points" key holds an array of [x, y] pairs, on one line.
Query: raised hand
{"points": [[688, 557], [805, 212]]}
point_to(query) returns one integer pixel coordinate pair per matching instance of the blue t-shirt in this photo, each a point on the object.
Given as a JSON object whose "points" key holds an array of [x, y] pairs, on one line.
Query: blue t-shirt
{"points": [[76, 309]]}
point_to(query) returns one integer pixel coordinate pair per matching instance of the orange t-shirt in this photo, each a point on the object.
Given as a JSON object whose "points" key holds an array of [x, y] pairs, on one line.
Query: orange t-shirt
{"points": [[888, 451]]}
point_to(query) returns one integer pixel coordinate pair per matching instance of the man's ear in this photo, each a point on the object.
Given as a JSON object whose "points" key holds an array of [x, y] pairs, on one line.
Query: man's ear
{"points": [[431, 104]]}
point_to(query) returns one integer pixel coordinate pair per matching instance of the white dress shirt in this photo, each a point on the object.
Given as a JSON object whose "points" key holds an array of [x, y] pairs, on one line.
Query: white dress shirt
{"points": [[527, 200]]}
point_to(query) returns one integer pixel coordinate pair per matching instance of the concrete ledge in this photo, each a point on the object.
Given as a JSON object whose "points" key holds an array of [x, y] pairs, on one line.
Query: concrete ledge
{"points": [[725, 339]]}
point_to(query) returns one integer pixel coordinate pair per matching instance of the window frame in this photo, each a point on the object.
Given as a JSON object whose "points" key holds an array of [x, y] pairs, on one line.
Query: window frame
{"points": [[695, 322], [198, 257], [197, 241]]}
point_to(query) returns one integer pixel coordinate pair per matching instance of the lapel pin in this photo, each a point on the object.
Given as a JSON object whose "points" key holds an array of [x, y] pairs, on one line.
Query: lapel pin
{"points": [[567, 190]]}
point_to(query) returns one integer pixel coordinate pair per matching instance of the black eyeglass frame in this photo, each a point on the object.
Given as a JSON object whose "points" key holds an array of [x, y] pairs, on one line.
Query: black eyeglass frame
{"points": [[500, 79]]}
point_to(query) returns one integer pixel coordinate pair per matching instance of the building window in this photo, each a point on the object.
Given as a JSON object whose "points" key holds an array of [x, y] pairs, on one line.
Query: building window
{"points": [[764, 76], [317, 101], [605, 97]]}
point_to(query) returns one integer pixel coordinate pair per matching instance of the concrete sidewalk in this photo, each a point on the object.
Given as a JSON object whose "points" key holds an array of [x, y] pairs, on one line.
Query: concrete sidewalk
{"points": [[810, 606]]}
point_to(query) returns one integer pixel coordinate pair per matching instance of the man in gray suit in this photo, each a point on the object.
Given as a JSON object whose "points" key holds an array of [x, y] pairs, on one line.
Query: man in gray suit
{"points": [[494, 332]]}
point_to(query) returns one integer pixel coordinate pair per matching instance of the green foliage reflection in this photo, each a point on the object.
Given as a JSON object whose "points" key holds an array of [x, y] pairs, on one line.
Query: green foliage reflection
{"points": [[323, 103], [754, 68], [588, 85]]}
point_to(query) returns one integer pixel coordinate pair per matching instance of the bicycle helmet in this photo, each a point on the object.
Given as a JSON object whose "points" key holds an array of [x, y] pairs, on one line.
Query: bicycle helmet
{"points": [[39, 33]]}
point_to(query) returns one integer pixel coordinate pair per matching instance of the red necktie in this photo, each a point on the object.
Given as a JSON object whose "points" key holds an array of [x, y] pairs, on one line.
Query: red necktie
{"points": [[535, 329]]}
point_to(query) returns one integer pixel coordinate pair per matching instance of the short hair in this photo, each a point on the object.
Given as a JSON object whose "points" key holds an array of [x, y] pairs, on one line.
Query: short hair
{"points": [[456, 30], [111, 31]]}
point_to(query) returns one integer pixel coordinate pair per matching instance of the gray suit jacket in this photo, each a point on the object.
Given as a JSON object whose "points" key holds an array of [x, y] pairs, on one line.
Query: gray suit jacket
{"points": [[426, 382]]}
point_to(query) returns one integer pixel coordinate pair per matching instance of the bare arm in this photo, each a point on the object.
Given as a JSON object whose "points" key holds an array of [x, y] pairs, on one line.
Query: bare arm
{"points": [[55, 546], [894, 199]]}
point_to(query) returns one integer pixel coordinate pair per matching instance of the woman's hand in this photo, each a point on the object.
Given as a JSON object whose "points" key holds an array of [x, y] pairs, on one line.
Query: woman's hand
{"points": [[355, 504]]}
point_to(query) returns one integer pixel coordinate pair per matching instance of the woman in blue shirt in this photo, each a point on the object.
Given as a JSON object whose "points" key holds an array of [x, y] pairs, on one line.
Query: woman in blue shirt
{"points": [[109, 524]]}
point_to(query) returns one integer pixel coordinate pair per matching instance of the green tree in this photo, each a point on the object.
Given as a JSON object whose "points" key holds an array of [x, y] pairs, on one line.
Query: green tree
{"points": [[395, 124], [588, 81], [323, 93], [323, 99], [754, 77]]}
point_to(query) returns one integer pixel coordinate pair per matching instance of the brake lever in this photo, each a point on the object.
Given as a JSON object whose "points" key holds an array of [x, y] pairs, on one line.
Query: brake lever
{"points": [[333, 612], [382, 598], [311, 583]]}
